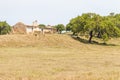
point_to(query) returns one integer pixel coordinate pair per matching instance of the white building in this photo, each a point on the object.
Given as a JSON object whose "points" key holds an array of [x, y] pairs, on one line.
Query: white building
{"points": [[21, 28]]}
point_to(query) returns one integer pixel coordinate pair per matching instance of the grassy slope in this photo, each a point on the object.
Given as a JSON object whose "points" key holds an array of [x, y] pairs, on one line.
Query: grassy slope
{"points": [[41, 41], [56, 57]]}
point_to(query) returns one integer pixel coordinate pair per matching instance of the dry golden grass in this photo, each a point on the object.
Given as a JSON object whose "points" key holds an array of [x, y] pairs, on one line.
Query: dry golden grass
{"points": [[49, 40], [56, 57]]}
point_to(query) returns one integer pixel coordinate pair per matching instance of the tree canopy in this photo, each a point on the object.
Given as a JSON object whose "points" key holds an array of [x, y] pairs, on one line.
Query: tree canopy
{"points": [[42, 25], [94, 25], [60, 28], [4, 27]]}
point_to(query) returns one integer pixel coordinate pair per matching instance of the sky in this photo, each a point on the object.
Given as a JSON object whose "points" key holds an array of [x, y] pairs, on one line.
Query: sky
{"points": [[53, 12]]}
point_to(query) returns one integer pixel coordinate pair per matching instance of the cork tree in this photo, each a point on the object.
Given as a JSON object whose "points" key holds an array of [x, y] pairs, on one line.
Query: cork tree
{"points": [[94, 25], [4, 28]]}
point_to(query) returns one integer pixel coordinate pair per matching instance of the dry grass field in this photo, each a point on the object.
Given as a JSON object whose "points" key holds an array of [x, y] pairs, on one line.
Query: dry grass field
{"points": [[57, 57]]}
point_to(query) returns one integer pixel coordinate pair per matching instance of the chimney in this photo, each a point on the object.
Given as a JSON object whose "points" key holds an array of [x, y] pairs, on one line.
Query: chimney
{"points": [[35, 23]]}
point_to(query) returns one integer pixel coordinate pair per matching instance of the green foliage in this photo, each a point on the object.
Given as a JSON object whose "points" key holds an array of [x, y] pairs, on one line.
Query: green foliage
{"points": [[94, 25], [68, 27], [60, 28], [42, 25], [4, 27], [105, 37]]}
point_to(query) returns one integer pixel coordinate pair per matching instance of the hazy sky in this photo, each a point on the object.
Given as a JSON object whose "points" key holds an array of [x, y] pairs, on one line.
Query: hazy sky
{"points": [[53, 11]]}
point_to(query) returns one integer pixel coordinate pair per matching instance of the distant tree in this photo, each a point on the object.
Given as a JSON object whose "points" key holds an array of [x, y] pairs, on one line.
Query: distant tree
{"points": [[112, 14], [60, 28], [4, 27], [68, 27], [42, 25]]}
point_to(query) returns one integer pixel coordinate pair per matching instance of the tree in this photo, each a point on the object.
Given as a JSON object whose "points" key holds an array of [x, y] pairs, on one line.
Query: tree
{"points": [[4, 27], [87, 24], [94, 25], [109, 29], [77, 25], [60, 28], [90, 24], [42, 25], [68, 27], [112, 14], [117, 20]]}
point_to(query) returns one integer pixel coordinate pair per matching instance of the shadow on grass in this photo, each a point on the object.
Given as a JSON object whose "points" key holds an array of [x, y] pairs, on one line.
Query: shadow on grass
{"points": [[93, 42]]}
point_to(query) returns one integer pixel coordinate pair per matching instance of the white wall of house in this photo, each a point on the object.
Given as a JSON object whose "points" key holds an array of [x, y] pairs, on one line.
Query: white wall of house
{"points": [[47, 31], [29, 30], [36, 29]]}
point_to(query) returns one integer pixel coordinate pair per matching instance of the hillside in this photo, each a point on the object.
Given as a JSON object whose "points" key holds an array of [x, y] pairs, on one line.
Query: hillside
{"points": [[49, 40]]}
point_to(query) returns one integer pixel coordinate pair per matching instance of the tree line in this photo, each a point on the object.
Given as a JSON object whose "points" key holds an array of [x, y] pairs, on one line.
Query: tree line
{"points": [[95, 25], [59, 27]]}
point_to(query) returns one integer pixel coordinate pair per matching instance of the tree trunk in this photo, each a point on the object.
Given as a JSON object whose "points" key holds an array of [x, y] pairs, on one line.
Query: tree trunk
{"points": [[73, 33], [1, 28], [91, 35], [60, 32], [99, 35], [0, 31]]}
